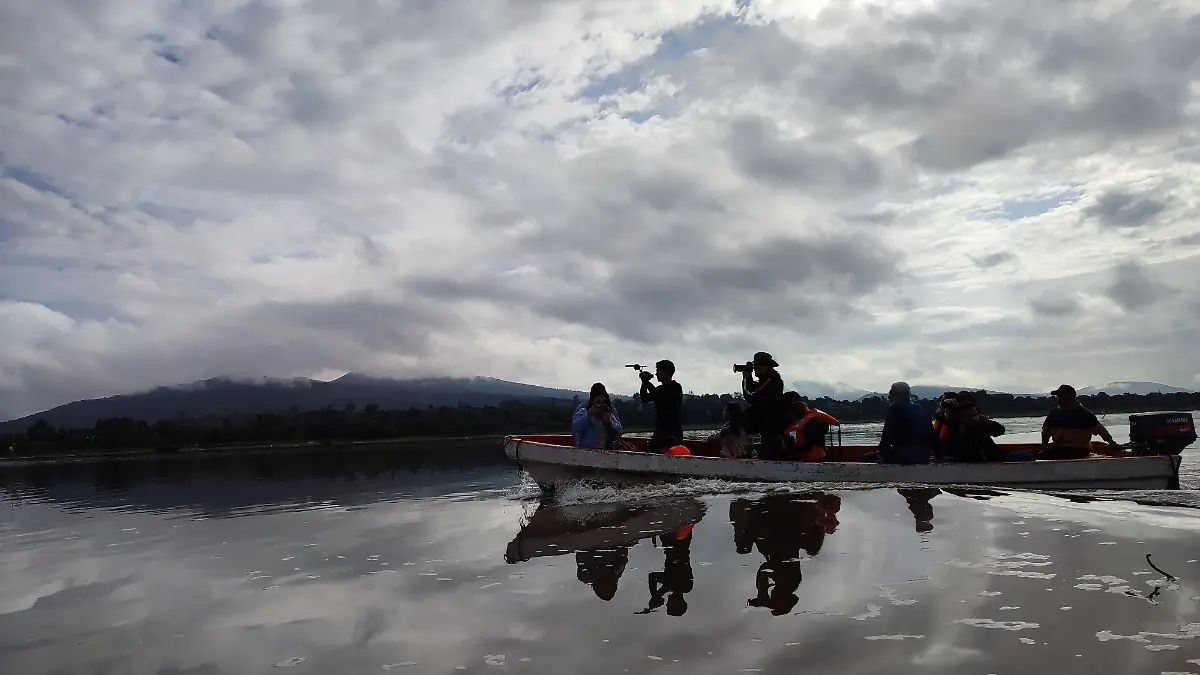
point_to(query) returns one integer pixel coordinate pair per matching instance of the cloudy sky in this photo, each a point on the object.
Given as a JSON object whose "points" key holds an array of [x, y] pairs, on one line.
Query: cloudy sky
{"points": [[997, 194]]}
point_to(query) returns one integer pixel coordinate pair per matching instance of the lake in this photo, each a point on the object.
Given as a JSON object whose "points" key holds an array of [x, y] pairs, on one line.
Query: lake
{"points": [[440, 559]]}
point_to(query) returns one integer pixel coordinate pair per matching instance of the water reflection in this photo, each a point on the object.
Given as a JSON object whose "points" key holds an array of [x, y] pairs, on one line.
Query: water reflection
{"points": [[281, 479], [780, 527]]}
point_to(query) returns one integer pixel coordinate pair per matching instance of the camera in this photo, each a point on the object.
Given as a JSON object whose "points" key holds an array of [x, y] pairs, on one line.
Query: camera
{"points": [[747, 367]]}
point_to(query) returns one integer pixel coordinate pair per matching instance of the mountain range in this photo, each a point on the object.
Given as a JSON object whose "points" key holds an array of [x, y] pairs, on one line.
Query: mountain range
{"points": [[230, 396], [844, 392]]}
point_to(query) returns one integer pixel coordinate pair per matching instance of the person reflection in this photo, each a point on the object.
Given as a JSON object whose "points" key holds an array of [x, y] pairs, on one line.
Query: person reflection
{"points": [[602, 569], [671, 585], [918, 504], [780, 526]]}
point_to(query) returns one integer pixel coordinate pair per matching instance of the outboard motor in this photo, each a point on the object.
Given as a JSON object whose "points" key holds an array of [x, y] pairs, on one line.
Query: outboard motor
{"points": [[1161, 433]]}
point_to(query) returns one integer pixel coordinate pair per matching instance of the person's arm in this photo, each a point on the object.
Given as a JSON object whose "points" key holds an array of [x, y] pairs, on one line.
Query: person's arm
{"points": [[648, 391], [1100, 430], [614, 421], [887, 436], [581, 420], [1047, 428], [749, 389], [994, 428]]}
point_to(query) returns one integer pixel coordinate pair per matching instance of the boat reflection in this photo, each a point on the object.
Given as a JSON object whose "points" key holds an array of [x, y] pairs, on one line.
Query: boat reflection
{"points": [[674, 581], [785, 529], [600, 536], [918, 504], [780, 527]]}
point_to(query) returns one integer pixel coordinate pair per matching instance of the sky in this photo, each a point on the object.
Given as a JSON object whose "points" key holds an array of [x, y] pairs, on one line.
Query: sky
{"points": [[992, 194]]}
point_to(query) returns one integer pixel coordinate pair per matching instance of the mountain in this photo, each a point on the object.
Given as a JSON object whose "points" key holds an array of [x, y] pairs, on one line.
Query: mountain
{"points": [[1140, 388], [228, 396], [839, 391]]}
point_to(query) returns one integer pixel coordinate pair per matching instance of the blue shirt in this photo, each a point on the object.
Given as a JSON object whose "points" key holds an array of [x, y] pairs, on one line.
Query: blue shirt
{"points": [[586, 429]]}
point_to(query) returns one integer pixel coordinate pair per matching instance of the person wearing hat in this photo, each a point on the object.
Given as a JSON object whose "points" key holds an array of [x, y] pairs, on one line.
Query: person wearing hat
{"points": [[762, 387], [667, 398], [1070, 426]]}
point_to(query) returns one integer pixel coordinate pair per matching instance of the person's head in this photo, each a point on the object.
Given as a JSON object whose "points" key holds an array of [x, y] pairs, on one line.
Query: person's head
{"points": [[764, 365], [791, 404], [664, 370], [676, 604], [605, 587], [968, 412], [1065, 394], [598, 394], [733, 412], [899, 392]]}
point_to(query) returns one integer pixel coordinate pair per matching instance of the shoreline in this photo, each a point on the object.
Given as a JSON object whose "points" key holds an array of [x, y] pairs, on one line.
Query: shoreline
{"points": [[291, 446], [264, 448]]}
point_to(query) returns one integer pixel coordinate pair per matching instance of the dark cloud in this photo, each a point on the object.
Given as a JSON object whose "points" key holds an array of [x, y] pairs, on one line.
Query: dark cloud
{"points": [[795, 283], [1121, 208], [1055, 307], [986, 262], [1134, 289], [806, 164], [1189, 239]]}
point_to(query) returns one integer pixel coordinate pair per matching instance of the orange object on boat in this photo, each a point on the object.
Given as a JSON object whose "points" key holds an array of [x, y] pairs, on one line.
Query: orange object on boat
{"points": [[679, 450]]}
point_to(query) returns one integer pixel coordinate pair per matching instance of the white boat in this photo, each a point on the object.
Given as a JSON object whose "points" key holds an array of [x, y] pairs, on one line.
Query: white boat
{"points": [[552, 459]]}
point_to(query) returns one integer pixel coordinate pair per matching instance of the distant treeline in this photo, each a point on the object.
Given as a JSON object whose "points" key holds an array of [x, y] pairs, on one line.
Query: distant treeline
{"points": [[552, 416]]}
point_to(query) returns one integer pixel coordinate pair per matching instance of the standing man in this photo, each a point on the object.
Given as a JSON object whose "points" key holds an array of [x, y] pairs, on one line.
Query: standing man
{"points": [[766, 415], [1071, 426], [667, 398]]}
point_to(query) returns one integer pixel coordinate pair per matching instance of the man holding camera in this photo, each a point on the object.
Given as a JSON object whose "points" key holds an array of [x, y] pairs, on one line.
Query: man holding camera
{"points": [[762, 387], [667, 398]]}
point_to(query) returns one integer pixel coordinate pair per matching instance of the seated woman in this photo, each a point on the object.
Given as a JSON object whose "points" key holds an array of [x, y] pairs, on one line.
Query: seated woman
{"points": [[804, 440], [595, 423], [731, 437], [971, 439]]}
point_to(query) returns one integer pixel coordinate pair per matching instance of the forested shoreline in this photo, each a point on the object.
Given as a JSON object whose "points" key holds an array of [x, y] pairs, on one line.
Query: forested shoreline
{"points": [[330, 425]]}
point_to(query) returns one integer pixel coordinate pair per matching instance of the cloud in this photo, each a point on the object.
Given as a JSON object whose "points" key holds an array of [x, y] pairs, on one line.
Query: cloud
{"points": [[538, 190], [1118, 208], [994, 259], [1049, 306], [1135, 289]]}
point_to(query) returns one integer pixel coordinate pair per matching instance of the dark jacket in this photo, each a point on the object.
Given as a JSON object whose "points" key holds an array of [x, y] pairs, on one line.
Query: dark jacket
{"points": [[973, 441], [908, 436], [765, 412], [668, 407]]}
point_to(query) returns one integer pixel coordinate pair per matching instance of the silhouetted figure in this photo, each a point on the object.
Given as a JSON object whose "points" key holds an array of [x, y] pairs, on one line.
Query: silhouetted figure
{"points": [[675, 580], [601, 569], [781, 526], [667, 398], [918, 503]]}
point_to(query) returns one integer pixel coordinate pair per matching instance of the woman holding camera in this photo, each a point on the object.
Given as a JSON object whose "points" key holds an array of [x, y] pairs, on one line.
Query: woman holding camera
{"points": [[595, 423]]}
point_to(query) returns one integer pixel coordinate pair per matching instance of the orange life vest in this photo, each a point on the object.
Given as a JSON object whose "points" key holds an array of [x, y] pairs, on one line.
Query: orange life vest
{"points": [[942, 430], [678, 450], [795, 433]]}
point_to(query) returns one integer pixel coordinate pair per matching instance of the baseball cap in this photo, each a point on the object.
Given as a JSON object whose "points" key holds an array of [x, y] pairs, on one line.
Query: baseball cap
{"points": [[1064, 389]]}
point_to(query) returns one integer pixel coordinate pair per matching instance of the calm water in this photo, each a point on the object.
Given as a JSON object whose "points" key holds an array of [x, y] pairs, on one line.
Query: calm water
{"points": [[442, 560]]}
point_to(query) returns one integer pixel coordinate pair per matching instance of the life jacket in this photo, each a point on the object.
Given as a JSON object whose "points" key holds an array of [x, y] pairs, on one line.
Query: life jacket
{"points": [[795, 433], [682, 532], [678, 450], [942, 430]]}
